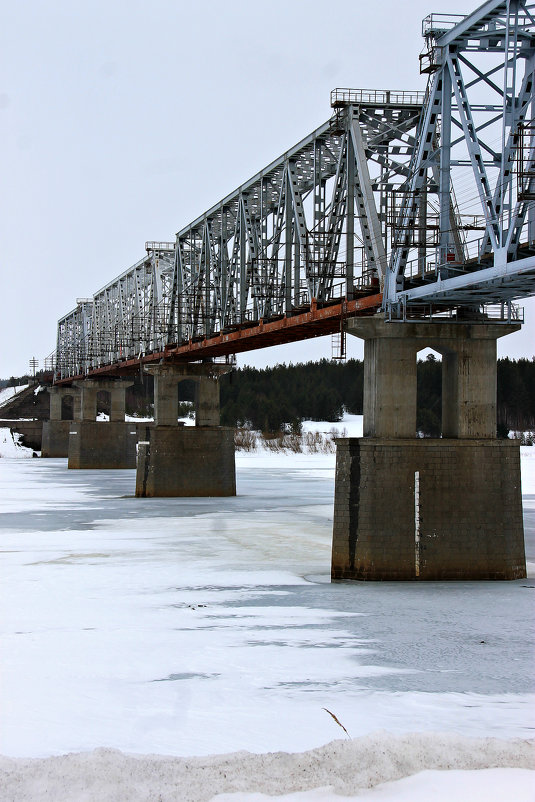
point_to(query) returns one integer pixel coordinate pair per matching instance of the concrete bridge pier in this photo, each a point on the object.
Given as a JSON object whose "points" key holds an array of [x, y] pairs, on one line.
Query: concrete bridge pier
{"points": [[178, 460], [96, 444], [55, 438], [409, 508]]}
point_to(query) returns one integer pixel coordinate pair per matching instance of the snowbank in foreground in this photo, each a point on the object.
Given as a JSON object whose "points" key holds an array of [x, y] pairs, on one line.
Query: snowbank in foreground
{"points": [[11, 447], [484, 785], [341, 767]]}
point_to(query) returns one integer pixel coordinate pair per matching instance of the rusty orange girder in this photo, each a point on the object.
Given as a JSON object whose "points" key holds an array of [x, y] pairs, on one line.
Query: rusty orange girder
{"points": [[316, 322]]}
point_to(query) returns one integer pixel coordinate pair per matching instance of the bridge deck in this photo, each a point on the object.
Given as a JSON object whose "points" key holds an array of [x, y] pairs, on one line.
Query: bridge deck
{"points": [[315, 322]]}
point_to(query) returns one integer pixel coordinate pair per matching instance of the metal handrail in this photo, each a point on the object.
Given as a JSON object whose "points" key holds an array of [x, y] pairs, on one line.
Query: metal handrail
{"points": [[435, 23], [377, 97]]}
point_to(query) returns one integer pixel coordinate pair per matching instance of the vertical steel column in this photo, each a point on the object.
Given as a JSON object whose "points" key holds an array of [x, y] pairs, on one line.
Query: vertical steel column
{"points": [[288, 245], [243, 261], [207, 276], [350, 207], [223, 266], [445, 167]]}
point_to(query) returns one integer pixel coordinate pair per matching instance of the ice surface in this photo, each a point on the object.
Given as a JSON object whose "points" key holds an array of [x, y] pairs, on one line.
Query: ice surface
{"points": [[203, 626]]}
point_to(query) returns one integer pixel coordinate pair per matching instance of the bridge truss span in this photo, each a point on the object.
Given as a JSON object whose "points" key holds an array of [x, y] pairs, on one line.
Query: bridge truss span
{"points": [[475, 145], [414, 204], [309, 230]]}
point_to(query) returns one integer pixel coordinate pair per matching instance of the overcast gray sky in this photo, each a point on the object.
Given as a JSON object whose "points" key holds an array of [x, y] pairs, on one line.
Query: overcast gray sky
{"points": [[122, 121]]}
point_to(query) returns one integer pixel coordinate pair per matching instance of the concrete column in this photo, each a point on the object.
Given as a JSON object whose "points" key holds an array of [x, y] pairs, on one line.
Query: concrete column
{"points": [[469, 389], [428, 509], [56, 397], [117, 392], [207, 402], [88, 400], [55, 434], [389, 387], [166, 380], [57, 394], [89, 390], [176, 460], [468, 375], [165, 397], [96, 445]]}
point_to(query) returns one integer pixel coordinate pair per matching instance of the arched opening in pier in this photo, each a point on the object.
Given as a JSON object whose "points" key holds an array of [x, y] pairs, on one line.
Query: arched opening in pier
{"points": [[187, 393], [103, 404], [429, 393], [67, 407]]}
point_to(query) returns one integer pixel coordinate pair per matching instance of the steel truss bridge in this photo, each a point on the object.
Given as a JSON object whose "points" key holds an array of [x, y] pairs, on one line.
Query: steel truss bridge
{"points": [[416, 204]]}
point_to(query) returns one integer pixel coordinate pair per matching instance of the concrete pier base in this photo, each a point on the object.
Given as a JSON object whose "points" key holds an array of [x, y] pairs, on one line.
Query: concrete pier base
{"points": [[422, 509], [186, 461], [102, 445], [55, 434], [55, 440]]}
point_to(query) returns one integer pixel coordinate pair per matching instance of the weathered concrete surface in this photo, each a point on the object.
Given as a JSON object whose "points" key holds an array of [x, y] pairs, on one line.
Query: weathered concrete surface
{"points": [[463, 521], [166, 380], [89, 390], [102, 445], [186, 461], [468, 375], [58, 395], [55, 442]]}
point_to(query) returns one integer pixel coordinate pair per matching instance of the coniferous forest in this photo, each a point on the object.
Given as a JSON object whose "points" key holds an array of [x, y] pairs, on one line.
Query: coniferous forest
{"points": [[279, 398], [282, 396]]}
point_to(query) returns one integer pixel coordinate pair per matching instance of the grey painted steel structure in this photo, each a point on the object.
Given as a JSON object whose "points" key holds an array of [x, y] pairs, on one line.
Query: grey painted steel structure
{"points": [[479, 101], [306, 227], [376, 198]]}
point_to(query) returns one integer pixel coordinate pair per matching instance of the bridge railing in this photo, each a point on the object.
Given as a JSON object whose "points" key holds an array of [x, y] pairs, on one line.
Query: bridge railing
{"points": [[375, 97], [435, 24]]}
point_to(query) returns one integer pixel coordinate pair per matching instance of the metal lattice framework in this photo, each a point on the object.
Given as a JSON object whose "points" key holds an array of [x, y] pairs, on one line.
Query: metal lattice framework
{"points": [[126, 318], [476, 127], [307, 227], [427, 198], [310, 227]]}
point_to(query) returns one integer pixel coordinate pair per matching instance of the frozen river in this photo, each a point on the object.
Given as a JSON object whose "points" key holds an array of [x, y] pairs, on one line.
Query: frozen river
{"points": [[191, 627]]}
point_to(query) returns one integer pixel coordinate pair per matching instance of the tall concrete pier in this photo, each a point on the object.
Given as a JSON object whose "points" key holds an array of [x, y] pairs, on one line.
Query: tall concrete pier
{"points": [[177, 460], [94, 444], [55, 442], [409, 508]]}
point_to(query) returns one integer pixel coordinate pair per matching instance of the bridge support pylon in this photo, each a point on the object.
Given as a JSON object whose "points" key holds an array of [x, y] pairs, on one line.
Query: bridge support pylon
{"points": [[409, 508], [178, 460], [55, 437], [102, 444]]}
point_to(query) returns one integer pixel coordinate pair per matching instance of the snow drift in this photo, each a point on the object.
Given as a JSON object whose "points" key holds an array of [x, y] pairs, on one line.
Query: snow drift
{"points": [[344, 767]]}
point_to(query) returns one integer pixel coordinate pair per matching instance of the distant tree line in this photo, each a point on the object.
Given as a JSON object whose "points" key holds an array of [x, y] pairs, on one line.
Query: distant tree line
{"points": [[280, 398], [14, 381], [283, 396]]}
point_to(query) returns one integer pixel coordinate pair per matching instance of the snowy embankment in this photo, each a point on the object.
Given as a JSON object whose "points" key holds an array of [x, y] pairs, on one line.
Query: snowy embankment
{"points": [[385, 768], [11, 446], [7, 393]]}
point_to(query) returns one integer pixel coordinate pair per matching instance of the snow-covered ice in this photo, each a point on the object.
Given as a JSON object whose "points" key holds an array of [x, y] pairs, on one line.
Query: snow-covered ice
{"points": [[193, 627]]}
